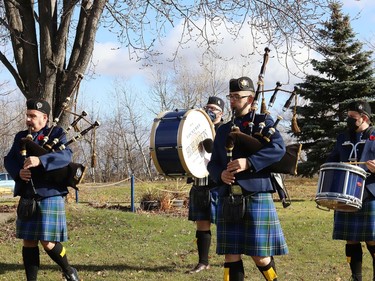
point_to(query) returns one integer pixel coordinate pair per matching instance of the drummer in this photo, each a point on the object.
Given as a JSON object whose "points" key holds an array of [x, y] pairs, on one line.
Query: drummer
{"points": [[199, 196], [357, 227]]}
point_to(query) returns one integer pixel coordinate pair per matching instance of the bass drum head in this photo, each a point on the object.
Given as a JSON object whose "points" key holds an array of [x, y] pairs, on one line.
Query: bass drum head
{"points": [[194, 128]]}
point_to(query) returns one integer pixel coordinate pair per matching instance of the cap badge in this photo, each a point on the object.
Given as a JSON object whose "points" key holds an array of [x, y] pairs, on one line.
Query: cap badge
{"points": [[244, 83]]}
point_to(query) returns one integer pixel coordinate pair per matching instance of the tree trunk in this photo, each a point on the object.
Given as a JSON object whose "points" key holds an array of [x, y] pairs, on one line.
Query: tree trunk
{"points": [[48, 76]]}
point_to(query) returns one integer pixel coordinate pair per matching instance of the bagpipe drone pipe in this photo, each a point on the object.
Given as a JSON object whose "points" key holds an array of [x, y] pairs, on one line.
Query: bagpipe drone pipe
{"points": [[72, 174], [260, 135]]}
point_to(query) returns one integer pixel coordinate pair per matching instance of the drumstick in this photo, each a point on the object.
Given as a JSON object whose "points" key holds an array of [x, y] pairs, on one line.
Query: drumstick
{"points": [[355, 163]]}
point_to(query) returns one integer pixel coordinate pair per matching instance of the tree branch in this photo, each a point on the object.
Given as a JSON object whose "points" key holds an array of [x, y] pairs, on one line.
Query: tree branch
{"points": [[14, 73]]}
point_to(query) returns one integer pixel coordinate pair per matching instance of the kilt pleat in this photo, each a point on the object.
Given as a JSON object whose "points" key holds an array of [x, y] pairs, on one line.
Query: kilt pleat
{"points": [[48, 224], [355, 226], [258, 234]]}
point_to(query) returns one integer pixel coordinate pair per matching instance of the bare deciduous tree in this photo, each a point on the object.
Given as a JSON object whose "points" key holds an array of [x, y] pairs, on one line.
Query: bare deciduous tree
{"points": [[52, 41], [12, 118], [189, 86], [124, 151], [161, 97]]}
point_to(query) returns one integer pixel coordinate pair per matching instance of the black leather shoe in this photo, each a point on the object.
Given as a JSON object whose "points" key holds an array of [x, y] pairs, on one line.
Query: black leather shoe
{"points": [[72, 276], [199, 267]]}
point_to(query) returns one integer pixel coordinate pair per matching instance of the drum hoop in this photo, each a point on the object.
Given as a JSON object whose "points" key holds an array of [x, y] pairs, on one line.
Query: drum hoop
{"points": [[154, 157], [179, 137], [356, 205], [353, 201], [343, 167], [335, 195]]}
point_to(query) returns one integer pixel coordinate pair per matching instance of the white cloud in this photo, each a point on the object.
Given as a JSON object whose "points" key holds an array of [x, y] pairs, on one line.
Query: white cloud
{"points": [[111, 60], [238, 51]]}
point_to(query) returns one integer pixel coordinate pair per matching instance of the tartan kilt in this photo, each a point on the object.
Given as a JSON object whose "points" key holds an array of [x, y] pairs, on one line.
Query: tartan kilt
{"points": [[48, 224], [258, 234], [215, 194], [199, 203], [355, 226]]}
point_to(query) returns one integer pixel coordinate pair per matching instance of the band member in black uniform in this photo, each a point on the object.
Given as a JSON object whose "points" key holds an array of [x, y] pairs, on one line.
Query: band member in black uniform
{"points": [[359, 226], [48, 223], [247, 222], [199, 197]]}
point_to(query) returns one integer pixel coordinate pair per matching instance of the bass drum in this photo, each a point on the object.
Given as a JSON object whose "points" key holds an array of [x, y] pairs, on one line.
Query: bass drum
{"points": [[176, 143]]}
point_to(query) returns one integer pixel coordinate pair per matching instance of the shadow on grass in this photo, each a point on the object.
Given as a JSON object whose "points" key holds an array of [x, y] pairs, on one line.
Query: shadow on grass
{"points": [[6, 267]]}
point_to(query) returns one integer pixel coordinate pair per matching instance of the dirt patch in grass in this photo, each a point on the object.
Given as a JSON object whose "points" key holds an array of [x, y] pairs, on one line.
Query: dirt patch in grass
{"points": [[171, 212]]}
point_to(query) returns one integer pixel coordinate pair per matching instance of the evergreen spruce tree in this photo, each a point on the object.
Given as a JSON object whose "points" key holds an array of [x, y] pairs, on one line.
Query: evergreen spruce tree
{"points": [[345, 74]]}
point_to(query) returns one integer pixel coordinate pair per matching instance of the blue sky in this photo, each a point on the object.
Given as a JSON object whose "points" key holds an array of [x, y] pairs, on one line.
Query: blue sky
{"points": [[365, 11]]}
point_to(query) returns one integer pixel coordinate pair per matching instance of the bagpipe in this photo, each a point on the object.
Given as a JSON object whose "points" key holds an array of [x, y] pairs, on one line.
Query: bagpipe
{"points": [[72, 174], [258, 136]]}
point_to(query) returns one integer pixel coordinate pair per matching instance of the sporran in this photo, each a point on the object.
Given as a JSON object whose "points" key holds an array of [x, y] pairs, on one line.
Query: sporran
{"points": [[233, 208], [26, 208]]}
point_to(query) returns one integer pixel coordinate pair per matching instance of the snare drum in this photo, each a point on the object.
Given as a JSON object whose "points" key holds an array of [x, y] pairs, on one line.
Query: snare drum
{"points": [[340, 187], [175, 143]]}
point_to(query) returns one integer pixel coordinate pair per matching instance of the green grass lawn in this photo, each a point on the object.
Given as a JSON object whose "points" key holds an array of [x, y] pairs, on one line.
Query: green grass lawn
{"points": [[107, 242]]}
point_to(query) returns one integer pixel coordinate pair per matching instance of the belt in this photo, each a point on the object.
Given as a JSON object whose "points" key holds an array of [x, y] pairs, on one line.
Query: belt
{"points": [[201, 182]]}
